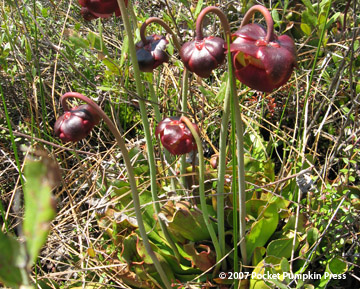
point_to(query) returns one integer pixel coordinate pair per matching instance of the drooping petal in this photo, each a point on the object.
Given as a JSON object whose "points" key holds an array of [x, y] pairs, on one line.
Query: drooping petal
{"points": [[251, 32], [260, 64], [153, 53]]}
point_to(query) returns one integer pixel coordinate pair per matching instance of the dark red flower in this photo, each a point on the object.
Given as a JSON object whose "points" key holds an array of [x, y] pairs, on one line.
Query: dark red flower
{"points": [[202, 56], [259, 63], [76, 123], [86, 14], [175, 136], [151, 54], [99, 8]]}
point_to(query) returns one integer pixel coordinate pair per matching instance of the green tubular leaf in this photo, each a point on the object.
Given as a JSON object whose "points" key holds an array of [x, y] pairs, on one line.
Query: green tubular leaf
{"points": [[39, 208], [281, 247], [262, 229], [12, 261]]}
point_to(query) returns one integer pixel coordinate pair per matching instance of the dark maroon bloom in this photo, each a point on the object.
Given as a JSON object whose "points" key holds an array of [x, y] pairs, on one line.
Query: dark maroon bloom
{"points": [[86, 14], [202, 56], [76, 123], [262, 60], [151, 54], [175, 136], [92, 9]]}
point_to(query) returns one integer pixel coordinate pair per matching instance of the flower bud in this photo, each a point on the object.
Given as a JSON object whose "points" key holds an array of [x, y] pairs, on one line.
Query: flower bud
{"points": [[214, 161], [203, 56], [76, 123], [175, 136], [260, 64], [99, 8], [151, 54], [87, 15]]}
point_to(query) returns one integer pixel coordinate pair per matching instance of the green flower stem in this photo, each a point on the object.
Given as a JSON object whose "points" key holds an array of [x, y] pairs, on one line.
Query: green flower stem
{"points": [[155, 103], [240, 166], [184, 91], [154, 99], [148, 138], [131, 175], [164, 25], [222, 169], [269, 21], [184, 85], [222, 154], [202, 187], [234, 185], [184, 95]]}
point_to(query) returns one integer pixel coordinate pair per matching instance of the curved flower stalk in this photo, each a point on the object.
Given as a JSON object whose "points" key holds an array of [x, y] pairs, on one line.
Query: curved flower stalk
{"points": [[92, 9], [120, 141], [204, 209], [262, 60], [148, 138], [223, 131], [203, 55], [150, 51], [150, 59], [164, 25]]}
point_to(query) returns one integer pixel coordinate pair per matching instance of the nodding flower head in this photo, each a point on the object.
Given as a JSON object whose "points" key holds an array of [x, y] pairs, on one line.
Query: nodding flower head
{"points": [[262, 60], [202, 56], [76, 124], [152, 53], [92, 9], [175, 136], [86, 14]]}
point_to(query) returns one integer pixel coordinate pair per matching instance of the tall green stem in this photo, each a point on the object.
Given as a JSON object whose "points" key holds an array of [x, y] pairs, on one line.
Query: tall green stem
{"points": [[131, 175], [153, 95], [225, 120], [202, 187], [241, 174], [222, 167], [151, 158], [240, 158], [155, 102], [234, 185], [184, 94]]}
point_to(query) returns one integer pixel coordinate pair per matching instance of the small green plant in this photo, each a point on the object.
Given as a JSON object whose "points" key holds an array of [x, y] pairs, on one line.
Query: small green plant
{"points": [[17, 257]]}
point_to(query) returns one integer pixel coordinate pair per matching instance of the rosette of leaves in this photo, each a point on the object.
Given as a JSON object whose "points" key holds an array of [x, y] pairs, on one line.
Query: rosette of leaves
{"points": [[186, 226]]}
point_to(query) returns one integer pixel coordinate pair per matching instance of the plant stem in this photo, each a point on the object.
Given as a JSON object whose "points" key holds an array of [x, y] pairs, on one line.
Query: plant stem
{"points": [[203, 205], [240, 157], [130, 171], [184, 89], [241, 174], [222, 154], [222, 169], [184, 94], [155, 102], [148, 138], [269, 21], [211, 9], [234, 185], [163, 24]]}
